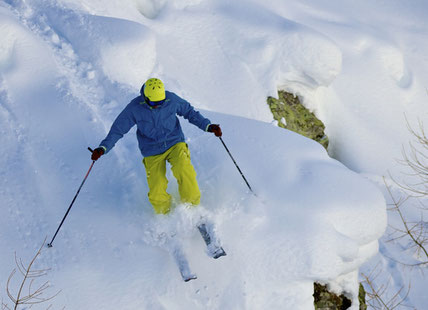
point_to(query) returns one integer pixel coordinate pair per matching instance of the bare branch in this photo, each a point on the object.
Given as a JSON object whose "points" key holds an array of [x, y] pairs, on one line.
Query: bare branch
{"points": [[408, 230], [4, 306], [20, 265], [417, 161], [9, 294], [35, 295], [377, 299]]}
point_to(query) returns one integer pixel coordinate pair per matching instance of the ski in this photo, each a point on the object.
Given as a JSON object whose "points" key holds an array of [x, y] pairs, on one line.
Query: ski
{"points": [[181, 261], [214, 249]]}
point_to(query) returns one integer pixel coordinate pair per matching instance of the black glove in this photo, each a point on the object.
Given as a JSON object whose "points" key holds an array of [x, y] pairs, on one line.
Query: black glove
{"points": [[215, 128], [97, 153]]}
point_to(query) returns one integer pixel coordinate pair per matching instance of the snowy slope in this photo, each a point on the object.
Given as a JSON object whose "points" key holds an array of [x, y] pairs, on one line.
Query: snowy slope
{"points": [[360, 66], [310, 212], [67, 68], [383, 78]]}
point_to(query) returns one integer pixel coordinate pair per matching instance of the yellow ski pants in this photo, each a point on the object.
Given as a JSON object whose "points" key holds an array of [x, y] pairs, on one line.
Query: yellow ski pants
{"points": [[179, 158]]}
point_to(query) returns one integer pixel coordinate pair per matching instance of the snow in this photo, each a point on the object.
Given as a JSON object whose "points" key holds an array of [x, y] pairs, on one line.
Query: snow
{"points": [[383, 77], [68, 67], [104, 42]]}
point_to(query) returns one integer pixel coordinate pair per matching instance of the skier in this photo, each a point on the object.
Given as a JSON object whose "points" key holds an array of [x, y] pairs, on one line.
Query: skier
{"points": [[160, 139]]}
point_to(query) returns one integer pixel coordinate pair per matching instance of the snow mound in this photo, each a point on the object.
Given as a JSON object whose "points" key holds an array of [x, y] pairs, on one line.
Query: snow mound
{"points": [[304, 198], [249, 57], [150, 8], [123, 50], [22, 55]]}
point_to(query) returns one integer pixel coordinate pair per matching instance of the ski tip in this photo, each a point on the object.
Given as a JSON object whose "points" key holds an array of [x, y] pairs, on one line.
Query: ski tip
{"points": [[219, 253], [192, 277]]}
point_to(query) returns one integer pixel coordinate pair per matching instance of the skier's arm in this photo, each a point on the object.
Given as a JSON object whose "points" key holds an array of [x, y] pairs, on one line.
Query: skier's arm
{"points": [[123, 123], [193, 116]]}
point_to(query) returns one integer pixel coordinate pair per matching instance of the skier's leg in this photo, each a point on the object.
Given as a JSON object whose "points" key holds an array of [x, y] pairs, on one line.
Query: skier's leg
{"points": [[176, 250], [183, 171], [158, 183], [214, 248]]}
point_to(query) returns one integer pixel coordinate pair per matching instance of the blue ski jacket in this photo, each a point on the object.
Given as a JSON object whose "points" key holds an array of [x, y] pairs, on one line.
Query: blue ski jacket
{"points": [[158, 129]]}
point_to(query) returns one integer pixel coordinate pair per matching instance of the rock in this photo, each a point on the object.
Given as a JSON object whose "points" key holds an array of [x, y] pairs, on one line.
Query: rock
{"points": [[326, 300], [291, 114], [362, 297]]}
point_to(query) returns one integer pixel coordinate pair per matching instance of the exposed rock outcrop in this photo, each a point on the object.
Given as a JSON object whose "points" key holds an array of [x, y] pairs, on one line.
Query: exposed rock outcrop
{"points": [[326, 300], [290, 113]]}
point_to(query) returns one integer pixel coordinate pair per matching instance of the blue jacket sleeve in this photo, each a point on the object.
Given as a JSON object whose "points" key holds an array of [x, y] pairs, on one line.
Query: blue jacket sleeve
{"points": [[123, 123], [193, 116]]}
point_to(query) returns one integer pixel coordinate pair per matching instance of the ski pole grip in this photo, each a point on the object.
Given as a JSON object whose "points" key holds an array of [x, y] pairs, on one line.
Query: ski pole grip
{"points": [[90, 150]]}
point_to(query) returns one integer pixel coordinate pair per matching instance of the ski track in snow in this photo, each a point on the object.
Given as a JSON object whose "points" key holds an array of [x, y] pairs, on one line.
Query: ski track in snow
{"points": [[78, 75], [75, 85], [11, 159]]}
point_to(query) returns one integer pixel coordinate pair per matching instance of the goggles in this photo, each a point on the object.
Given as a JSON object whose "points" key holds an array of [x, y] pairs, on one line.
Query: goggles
{"points": [[154, 103]]}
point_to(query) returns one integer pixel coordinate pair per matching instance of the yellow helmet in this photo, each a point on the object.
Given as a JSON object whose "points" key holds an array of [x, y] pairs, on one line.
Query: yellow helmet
{"points": [[154, 90]]}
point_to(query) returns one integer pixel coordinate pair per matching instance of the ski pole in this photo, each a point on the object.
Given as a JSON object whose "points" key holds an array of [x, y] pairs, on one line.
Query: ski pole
{"points": [[236, 165], [69, 208]]}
